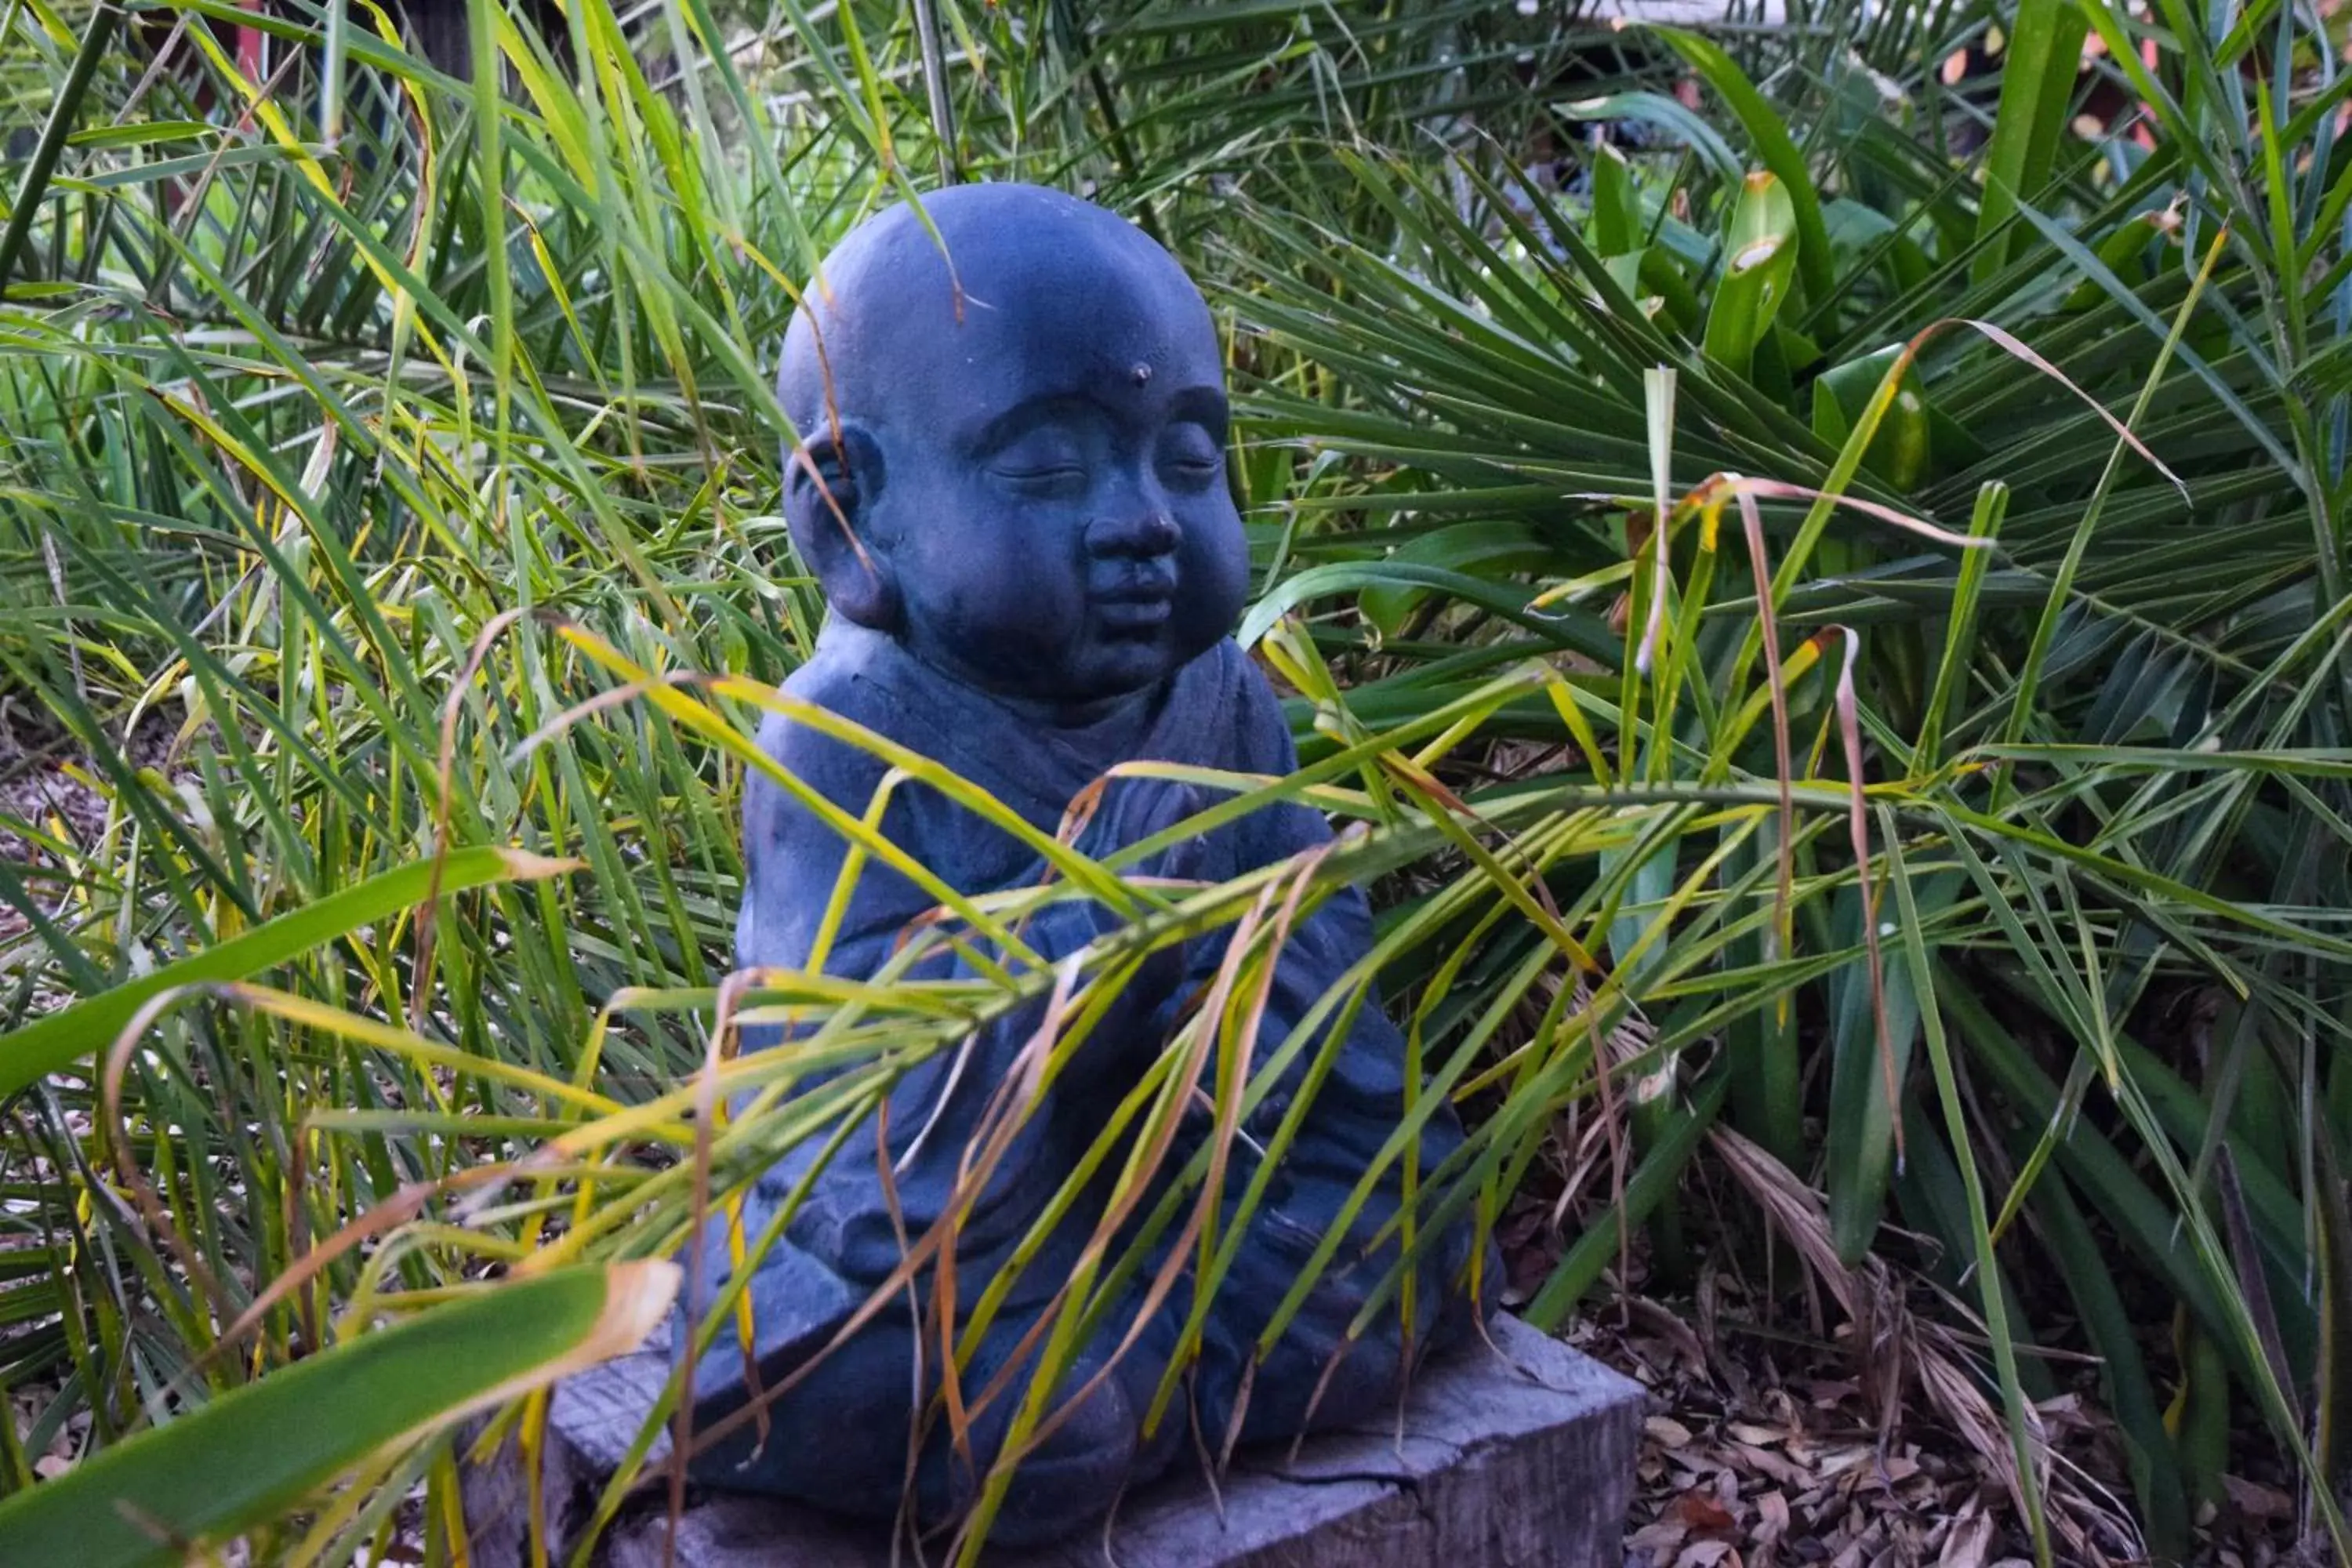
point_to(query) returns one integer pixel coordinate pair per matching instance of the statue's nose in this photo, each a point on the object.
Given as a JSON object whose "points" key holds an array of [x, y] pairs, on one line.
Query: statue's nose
{"points": [[1141, 532]]}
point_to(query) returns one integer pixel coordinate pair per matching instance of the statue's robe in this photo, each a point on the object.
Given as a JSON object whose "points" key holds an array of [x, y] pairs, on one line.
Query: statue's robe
{"points": [[841, 1436]]}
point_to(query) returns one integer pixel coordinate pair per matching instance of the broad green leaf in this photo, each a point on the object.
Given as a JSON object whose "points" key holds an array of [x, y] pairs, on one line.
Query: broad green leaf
{"points": [[1474, 549], [1617, 226], [1768, 133], [1760, 257], [1902, 451], [2037, 95], [1669, 116], [249, 1455], [1571, 629], [1860, 1153]]}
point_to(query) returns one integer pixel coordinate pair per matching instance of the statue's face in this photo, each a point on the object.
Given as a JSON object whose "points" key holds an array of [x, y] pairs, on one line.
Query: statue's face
{"points": [[1046, 484]]}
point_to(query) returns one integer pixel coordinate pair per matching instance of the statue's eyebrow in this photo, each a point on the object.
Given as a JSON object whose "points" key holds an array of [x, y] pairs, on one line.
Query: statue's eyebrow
{"points": [[1021, 418], [1202, 404]]}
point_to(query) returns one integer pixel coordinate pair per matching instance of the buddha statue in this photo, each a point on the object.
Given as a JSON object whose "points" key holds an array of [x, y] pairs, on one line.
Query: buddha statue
{"points": [[1011, 482]]}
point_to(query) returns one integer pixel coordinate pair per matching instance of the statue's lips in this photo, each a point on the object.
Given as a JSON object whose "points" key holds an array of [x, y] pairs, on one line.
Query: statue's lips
{"points": [[1135, 609]]}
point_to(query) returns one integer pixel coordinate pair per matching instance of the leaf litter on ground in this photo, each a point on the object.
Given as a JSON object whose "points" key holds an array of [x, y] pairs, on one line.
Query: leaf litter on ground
{"points": [[1772, 1439]]}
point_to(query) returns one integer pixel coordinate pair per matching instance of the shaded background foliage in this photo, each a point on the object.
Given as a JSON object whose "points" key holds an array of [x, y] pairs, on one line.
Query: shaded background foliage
{"points": [[387, 460]]}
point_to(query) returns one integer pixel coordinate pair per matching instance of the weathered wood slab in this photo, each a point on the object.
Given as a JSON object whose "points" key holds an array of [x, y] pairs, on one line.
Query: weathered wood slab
{"points": [[1514, 1456]]}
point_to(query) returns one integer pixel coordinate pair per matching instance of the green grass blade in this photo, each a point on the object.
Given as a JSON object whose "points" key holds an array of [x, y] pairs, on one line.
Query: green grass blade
{"points": [[87, 1027], [248, 1456]]}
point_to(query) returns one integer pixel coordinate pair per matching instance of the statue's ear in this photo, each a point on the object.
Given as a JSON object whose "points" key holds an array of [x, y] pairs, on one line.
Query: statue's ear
{"points": [[832, 482]]}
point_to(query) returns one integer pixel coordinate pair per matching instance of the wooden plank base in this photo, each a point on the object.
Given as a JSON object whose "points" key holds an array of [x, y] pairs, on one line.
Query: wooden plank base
{"points": [[1518, 1454]]}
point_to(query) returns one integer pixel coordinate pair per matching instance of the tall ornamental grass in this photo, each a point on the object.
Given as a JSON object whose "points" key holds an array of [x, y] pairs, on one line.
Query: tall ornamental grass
{"points": [[1816, 589]]}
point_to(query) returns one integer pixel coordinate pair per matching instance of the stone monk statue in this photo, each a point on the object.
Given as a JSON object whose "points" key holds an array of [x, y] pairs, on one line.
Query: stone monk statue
{"points": [[1011, 485]]}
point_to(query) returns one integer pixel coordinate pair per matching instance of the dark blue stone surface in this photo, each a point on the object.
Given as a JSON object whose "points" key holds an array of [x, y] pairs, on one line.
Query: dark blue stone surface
{"points": [[1012, 487]]}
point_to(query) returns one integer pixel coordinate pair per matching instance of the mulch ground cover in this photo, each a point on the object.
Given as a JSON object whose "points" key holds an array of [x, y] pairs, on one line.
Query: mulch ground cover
{"points": [[1765, 1447]]}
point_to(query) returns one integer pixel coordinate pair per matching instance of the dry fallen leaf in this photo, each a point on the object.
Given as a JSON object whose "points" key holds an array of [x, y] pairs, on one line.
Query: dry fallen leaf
{"points": [[1663, 1535], [1839, 1462], [1774, 1467], [2256, 1501], [1701, 1511], [1709, 1554], [1969, 1545], [1776, 1434]]}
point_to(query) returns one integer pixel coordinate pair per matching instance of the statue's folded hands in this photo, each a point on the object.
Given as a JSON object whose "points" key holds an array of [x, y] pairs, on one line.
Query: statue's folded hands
{"points": [[1011, 484]]}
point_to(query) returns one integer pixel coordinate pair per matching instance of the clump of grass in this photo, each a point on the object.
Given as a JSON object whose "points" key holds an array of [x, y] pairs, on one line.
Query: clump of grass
{"points": [[396, 446]]}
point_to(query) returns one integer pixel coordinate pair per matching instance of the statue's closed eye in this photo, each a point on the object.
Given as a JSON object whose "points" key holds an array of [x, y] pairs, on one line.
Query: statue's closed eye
{"points": [[1043, 458], [1189, 455], [1038, 470]]}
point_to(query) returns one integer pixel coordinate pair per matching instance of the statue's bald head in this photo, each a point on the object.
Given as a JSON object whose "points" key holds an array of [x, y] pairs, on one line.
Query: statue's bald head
{"points": [[1011, 418], [907, 314]]}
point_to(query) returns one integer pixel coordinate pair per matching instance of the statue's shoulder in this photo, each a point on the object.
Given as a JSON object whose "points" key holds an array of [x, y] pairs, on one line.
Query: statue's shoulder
{"points": [[1253, 719], [840, 769], [829, 681]]}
